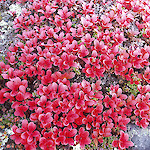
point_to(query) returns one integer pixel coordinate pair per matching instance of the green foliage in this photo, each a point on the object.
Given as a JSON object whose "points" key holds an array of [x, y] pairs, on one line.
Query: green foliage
{"points": [[91, 146], [99, 27], [131, 88], [20, 63], [76, 70], [6, 120], [95, 35], [107, 143], [3, 59], [79, 42], [108, 89]]}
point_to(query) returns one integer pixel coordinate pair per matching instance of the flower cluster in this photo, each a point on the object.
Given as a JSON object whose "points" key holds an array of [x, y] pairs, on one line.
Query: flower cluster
{"points": [[61, 40]]}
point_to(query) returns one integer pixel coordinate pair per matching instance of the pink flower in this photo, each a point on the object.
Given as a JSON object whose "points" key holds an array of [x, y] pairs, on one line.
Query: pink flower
{"points": [[42, 35], [46, 119], [97, 86], [20, 96], [69, 134], [85, 22], [142, 106], [98, 110], [17, 135], [140, 26], [42, 101], [105, 21], [45, 63], [99, 46], [146, 75], [14, 84], [87, 121], [47, 142], [58, 21], [87, 39], [123, 142], [67, 61], [83, 51], [2, 97], [68, 27], [63, 38], [99, 72], [119, 37], [83, 137], [142, 123], [71, 116], [29, 135], [105, 131], [34, 116], [79, 31], [46, 79], [49, 11], [122, 122], [88, 70], [119, 67], [64, 13], [62, 88], [20, 110]]}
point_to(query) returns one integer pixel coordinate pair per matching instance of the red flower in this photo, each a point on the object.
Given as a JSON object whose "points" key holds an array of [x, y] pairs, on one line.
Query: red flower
{"points": [[60, 39], [71, 116], [34, 116], [83, 137], [17, 135], [142, 106], [123, 142], [64, 13], [87, 39], [2, 97], [20, 96], [106, 130], [89, 71], [85, 22], [26, 135], [69, 134], [87, 121], [19, 110], [45, 63], [142, 123], [118, 66], [46, 119], [146, 75], [98, 110], [105, 22], [83, 51], [122, 122], [29, 135], [47, 142], [99, 46], [42, 101], [14, 84]]}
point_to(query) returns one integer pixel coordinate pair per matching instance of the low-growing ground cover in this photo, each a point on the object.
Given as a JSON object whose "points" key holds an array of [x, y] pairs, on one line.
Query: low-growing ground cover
{"points": [[77, 75]]}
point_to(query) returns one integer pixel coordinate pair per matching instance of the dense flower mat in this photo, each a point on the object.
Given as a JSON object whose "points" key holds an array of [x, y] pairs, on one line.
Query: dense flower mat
{"points": [[52, 76]]}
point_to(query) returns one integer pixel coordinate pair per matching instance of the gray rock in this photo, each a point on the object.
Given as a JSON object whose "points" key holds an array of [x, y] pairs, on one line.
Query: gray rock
{"points": [[140, 137]]}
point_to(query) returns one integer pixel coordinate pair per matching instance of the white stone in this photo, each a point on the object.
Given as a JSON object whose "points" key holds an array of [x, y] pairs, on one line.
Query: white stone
{"points": [[77, 147], [3, 23], [15, 8], [2, 37], [4, 138]]}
